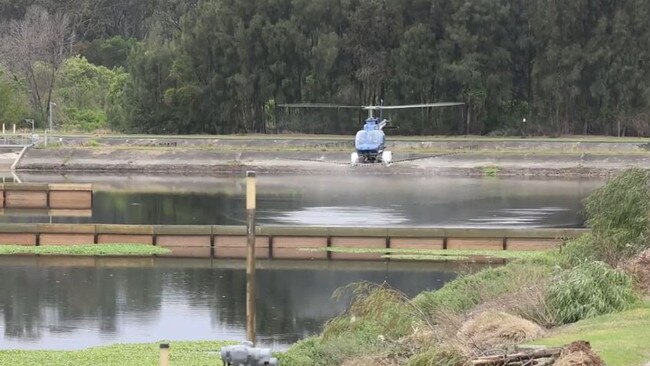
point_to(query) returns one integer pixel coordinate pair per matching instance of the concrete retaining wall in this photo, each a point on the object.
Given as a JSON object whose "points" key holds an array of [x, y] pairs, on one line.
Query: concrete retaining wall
{"points": [[284, 242]]}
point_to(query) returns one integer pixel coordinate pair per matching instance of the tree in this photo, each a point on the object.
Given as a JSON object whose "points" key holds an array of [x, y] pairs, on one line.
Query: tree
{"points": [[83, 93], [14, 104], [33, 49]]}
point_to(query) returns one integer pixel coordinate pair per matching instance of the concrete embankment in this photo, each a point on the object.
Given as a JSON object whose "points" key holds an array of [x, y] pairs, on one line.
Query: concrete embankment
{"points": [[444, 162]]}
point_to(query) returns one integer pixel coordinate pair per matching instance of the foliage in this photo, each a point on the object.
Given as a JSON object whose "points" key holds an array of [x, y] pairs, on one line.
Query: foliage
{"points": [[470, 290], [505, 60], [617, 214], [213, 67], [180, 353], [621, 339], [90, 250], [376, 318], [14, 102], [588, 290], [436, 357], [84, 93], [491, 171], [112, 52], [33, 49]]}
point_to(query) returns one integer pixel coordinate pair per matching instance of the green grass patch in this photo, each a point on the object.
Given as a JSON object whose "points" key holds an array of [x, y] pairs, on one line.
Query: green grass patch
{"points": [[440, 254], [491, 171], [181, 353], [619, 338], [85, 250]]}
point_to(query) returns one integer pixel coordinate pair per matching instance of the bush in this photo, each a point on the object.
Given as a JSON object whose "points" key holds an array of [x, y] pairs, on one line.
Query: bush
{"points": [[468, 291], [617, 214], [588, 290], [84, 119], [437, 357], [376, 318], [580, 250]]}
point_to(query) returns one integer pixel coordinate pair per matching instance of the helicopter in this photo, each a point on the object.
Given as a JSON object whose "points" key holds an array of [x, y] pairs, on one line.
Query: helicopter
{"points": [[370, 141]]}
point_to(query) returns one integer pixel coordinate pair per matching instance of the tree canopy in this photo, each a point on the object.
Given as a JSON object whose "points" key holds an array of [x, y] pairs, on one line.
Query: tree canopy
{"points": [[222, 66]]}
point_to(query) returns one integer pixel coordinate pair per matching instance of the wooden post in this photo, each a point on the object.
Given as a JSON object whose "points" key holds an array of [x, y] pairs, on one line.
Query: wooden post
{"points": [[3, 128], [164, 354], [14, 128], [250, 257]]}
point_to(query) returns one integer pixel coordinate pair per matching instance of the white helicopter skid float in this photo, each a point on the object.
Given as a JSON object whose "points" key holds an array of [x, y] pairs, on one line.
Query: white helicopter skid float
{"points": [[370, 142]]}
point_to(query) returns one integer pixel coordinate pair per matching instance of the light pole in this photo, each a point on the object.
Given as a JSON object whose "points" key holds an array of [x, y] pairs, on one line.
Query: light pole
{"points": [[52, 104]]}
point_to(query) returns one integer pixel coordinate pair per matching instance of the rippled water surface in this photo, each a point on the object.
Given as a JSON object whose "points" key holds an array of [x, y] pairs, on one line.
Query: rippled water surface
{"points": [[336, 200], [62, 303]]}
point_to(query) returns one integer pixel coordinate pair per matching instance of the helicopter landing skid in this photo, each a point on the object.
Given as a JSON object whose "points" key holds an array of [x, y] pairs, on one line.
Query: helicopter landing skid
{"points": [[382, 158]]}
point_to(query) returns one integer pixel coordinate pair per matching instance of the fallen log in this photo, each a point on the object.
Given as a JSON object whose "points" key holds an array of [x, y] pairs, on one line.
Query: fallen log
{"points": [[502, 360]]}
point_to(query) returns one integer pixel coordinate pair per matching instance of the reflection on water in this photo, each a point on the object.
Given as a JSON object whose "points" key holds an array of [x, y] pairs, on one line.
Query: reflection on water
{"points": [[69, 303], [517, 217], [346, 200], [338, 216]]}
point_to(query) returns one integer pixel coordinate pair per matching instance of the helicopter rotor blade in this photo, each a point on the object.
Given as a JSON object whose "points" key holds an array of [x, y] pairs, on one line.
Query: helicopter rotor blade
{"points": [[406, 106], [317, 105]]}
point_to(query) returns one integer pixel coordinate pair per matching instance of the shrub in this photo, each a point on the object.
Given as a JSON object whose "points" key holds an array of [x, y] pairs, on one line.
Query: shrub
{"points": [[579, 250], [588, 290], [617, 214], [437, 357], [468, 291], [377, 316]]}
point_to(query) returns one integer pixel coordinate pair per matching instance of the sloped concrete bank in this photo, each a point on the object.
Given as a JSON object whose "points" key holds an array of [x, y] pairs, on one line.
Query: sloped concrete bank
{"points": [[205, 161]]}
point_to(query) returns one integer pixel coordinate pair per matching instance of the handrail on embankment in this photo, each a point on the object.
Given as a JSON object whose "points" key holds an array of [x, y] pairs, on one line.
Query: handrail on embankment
{"points": [[286, 242], [20, 156]]}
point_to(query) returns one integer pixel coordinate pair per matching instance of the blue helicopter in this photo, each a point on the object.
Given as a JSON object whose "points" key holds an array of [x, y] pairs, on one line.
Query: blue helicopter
{"points": [[370, 142]]}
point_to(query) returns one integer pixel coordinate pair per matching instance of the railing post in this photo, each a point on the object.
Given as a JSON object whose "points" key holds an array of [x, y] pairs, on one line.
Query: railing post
{"points": [[164, 354], [250, 256]]}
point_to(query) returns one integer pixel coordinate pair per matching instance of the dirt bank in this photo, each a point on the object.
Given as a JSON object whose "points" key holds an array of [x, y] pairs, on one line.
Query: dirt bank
{"points": [[211, 161]]}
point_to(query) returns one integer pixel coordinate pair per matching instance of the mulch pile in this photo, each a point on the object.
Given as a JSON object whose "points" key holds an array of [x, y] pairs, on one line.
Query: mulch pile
{"points": [[578, 353]]}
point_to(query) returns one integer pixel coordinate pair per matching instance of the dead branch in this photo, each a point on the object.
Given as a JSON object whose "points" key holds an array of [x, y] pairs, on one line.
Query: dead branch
{"points": [[518, 358]]}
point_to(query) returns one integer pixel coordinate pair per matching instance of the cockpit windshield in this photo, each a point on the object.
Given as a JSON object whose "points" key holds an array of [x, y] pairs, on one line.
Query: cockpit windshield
{"points": [[369, 140]]}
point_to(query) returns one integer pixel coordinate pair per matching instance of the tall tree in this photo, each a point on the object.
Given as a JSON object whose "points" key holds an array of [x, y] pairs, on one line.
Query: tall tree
{"points": [[33, 49]]}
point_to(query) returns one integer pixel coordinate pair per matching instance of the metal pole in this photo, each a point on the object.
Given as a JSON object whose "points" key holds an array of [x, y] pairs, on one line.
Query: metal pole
{"points": [[250, 257], [50, 117], [468, 119]]}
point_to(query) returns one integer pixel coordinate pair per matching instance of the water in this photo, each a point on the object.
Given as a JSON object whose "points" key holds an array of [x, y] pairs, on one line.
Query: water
{"points": [[338, 200], [68, 303], [61, 303]]}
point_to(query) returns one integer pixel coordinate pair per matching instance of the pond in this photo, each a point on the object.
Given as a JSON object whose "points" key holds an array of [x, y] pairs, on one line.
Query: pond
{"points": [[335, 200], [72, 303]]}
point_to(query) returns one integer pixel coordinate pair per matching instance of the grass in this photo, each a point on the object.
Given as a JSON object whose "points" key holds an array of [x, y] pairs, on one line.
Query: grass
{"points": [[439, 254], [181, 353], [491, 171], [85, 250], [619, 338]]}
